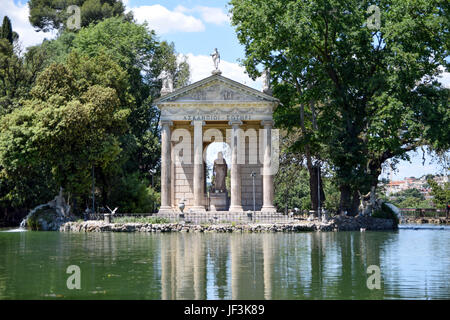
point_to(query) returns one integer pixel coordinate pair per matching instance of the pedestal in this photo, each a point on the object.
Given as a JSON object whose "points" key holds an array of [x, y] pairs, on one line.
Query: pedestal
{"points": [[218, 201]]}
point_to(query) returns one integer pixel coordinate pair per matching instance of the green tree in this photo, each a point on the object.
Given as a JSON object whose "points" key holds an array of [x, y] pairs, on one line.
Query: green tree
{"points": [[46, 15], [6, 31], [291, 180], [17, 74], [72, 122], [374, 88], [441, 194]]}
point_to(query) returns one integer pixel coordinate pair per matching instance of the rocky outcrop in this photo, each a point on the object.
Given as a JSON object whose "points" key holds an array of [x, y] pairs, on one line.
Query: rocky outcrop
{"points": [[49, 216], [334, 224], [344, 223]]}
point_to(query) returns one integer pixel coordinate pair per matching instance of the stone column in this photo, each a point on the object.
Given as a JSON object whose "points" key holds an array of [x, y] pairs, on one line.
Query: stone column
{"points": [[166, 159], [268, 206], [198, 167], [236, 196]]}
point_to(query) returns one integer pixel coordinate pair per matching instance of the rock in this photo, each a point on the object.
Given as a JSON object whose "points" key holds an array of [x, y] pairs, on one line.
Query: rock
{"points": [[50, 216]]}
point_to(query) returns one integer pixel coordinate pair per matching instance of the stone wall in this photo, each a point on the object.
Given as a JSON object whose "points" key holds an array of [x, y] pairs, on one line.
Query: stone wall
{"points": [[183, 179], [247, 187], [252, 163], [335, 224]]}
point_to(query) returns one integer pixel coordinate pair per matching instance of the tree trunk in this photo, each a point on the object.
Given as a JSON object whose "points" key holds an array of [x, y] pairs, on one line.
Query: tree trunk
{"points": [[313, 187], [355, 203], [345, 199]]}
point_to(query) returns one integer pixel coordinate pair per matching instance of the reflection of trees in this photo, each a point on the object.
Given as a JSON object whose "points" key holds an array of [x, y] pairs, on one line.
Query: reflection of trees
{"points": [[246, 267], [218, 258], [359, 250], [317, 265]]}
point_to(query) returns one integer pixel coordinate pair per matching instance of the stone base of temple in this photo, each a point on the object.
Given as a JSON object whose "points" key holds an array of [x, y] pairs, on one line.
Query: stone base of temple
{"points": [[199, 209], [191, 216], [236, 209], [268, 209], [166, 210]]}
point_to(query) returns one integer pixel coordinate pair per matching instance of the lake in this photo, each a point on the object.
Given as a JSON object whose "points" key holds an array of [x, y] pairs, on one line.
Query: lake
{"points": [[414, 263]]}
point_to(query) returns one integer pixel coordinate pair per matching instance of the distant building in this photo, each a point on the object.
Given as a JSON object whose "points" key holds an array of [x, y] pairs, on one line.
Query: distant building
{"points": [[420, 184]]}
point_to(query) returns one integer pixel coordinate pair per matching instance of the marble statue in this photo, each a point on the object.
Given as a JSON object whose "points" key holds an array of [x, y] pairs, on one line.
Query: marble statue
{"points": [[266, 81], [216, 59], [167, 82], [220, 170]]}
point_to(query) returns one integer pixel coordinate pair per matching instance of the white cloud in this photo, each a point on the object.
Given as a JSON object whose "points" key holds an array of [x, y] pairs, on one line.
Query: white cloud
{"points": [[444, 78], [208, 14], [202, 65], [18, 13], [163, 20]]}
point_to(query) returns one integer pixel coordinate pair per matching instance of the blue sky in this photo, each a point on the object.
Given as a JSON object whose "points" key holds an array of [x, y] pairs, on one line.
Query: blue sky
{"points": [[196, 27]]}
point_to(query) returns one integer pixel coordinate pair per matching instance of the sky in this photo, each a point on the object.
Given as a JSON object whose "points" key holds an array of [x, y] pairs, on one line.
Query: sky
{"points": [[196, 27]]}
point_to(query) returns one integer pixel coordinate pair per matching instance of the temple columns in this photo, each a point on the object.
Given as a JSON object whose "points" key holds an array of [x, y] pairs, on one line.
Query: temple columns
{"points": [[166, 164], [198, 183], [236, 195], [267, 174]]}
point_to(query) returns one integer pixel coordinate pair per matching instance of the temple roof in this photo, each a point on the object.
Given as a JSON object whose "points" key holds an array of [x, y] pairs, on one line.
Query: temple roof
{"points": [[216, 88]]}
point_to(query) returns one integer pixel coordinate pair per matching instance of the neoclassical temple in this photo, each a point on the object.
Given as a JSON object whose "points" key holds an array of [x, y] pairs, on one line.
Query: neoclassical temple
{"points": [[216, 109]]}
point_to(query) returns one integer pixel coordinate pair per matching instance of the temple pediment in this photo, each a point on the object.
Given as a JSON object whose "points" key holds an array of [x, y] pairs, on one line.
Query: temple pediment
{"points": [[215, 88]]}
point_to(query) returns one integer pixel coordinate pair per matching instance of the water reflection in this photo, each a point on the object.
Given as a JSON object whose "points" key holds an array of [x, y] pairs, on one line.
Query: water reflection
{"points": [[327, 265]]}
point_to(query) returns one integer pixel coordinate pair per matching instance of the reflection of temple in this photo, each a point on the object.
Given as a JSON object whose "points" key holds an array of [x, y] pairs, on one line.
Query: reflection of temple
{"points": [[267, 266], [220, 267], [183, 269]]}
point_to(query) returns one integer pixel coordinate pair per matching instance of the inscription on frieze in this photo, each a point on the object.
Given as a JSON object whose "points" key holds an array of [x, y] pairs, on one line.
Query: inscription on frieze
{"points": [[218, 117]]}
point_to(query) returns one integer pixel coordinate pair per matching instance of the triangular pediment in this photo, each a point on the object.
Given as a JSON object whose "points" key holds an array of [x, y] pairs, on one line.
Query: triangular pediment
{"points": [[216, 88]]}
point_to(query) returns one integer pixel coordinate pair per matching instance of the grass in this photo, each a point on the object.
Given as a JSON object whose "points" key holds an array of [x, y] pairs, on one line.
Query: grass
{"points": [[152, 220]]}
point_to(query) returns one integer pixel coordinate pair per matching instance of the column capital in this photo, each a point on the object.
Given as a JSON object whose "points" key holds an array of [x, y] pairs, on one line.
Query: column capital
{"points": [[235, 123], [267, 123], [166, 122], [193, 122]]}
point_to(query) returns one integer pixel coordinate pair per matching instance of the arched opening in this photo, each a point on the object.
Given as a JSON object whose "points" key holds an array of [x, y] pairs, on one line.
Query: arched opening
{"points": [[217, 174]]}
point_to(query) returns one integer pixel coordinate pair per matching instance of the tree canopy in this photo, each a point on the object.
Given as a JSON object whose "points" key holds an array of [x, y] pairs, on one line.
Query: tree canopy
{"points": [[84, 113], [369, 90], [46, 15]]}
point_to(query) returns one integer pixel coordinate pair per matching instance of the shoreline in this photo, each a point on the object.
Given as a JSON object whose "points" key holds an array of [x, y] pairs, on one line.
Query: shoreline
{"points": [[334, 224], [424, 220]]}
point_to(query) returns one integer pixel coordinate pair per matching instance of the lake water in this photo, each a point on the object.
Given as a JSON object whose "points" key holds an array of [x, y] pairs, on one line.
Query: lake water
{"points": [[414, 264]]}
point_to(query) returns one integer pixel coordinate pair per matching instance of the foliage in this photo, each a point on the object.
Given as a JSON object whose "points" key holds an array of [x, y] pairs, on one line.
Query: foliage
{"points": [[17, 72], [70, 124], [46, 15], [292, 179], [409, 193], [132, 195], [6, 31], [85, 106], [375, 91], [291, 186], [441, 194], [385, 213], [412, 202]]}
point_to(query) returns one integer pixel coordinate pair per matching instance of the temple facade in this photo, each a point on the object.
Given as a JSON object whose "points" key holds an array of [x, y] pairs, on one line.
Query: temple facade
{"points": [[217, 109]]}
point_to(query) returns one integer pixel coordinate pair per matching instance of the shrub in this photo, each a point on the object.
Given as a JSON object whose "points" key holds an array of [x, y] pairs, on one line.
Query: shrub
{"points": [[385, 213]]}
